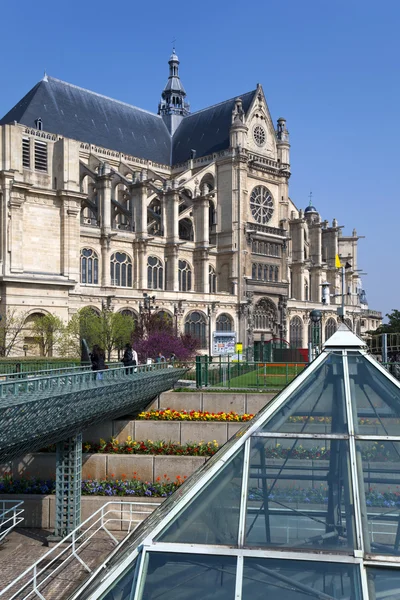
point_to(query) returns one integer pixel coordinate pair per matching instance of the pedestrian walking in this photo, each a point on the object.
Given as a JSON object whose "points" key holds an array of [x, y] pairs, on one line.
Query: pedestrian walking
{"points": [[98, 358]]}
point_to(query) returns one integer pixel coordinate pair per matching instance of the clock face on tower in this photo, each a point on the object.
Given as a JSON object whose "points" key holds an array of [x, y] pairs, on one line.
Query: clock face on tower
{"points": [[261, 204]]}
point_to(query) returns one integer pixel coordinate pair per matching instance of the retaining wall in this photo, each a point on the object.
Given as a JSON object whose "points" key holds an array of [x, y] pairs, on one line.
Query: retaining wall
{"points": [[40, 510]]}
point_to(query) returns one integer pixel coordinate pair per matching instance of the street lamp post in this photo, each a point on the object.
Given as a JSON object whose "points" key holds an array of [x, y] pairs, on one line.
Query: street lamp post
{"points": [[315, 317]]}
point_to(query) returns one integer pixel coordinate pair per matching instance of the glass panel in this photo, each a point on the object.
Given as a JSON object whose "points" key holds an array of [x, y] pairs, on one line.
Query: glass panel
{"points": [[90, 270], [83, 270], [381, 480], [118, 273], [212, 517], [123, 277], [318, 405], [268, 579], [189, 576], [129, 275], [299, 494], [96, 271], [121, 590], [384, 583], [377, 399]]}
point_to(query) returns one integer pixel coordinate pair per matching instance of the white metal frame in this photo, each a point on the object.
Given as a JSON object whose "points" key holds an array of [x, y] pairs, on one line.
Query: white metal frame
{"points": [[34, 579], [358, 556], [11, 515]]}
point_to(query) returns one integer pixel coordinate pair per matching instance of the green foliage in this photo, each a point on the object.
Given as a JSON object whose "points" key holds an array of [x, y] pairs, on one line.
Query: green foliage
{"points": [[11, 326], [393, 326], [109, 330], [48, 332]]}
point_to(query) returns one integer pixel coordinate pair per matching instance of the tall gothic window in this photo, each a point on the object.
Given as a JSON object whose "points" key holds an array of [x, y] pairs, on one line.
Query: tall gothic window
{"points": [[89, 266], [155, 273], [212, 280], [224, 323], [184, 276], [254, 271], [330, 328], [306, 294], [265, 315], [271, 273], [349, 324], [196, 326], [121, 269], [296, 332], [276, 271]]}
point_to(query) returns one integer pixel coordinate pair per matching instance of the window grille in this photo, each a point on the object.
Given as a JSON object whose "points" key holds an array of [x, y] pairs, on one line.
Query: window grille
{"points": [[184, 276], [224, 323], [89, 266], [155, 273], [121, 270], [40, 156], [26, 153]]}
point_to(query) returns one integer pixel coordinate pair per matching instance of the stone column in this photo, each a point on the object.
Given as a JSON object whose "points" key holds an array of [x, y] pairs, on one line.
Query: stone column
{"points": [[4, 223], [16, 231], [70, 236], [201, 240], [104, 193], [172, 235]]}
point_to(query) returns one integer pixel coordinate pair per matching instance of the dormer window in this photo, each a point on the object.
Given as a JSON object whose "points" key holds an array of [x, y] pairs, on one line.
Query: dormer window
{"points": [[39, 124]]}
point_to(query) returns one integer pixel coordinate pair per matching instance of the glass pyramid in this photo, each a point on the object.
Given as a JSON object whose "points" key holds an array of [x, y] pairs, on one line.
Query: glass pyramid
{"points": [[303, 502]]}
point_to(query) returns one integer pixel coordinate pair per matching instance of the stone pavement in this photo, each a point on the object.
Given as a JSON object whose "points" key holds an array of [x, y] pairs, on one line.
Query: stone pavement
{"points": [[22, 548]]}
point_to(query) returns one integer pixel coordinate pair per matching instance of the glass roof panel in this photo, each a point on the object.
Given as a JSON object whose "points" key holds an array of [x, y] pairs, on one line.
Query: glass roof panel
{"points": [[299, 580], [189, 576], [121, 589], [212, 517], [299, 494], [318, 405], [377, 398], [384, 583], [381, 484]]}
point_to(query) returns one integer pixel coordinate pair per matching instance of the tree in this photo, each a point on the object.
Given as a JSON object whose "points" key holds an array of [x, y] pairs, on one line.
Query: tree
{"points": [[109, 330], [393, 326], [156, 334], [47, 331], [11, 325]]}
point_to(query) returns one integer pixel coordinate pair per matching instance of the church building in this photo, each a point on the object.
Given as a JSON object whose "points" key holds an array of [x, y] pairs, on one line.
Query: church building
{"points": [[103, 204]]}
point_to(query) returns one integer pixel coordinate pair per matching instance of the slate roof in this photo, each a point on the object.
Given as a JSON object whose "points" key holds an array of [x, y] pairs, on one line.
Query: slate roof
{"points": [[76, 113], [80, 114], [207, 130]]}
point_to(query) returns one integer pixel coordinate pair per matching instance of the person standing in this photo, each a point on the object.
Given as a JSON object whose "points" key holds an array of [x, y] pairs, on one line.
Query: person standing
{"points": [[98, 358], [129, 358]]}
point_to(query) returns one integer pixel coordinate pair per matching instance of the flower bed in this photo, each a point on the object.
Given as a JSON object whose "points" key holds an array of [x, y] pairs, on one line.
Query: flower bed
{"points": [[92, 487], [112, 446], [193, 415]]}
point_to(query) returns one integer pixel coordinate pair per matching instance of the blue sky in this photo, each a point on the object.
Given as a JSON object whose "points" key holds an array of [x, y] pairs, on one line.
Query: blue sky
{"points": [[330, 68]]}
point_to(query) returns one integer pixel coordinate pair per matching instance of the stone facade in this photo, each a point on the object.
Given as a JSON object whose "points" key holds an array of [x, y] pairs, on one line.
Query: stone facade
{"points": [[216, 238]]}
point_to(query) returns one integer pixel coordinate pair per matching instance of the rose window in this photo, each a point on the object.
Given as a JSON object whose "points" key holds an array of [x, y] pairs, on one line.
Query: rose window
{"points": [[261, 204]]}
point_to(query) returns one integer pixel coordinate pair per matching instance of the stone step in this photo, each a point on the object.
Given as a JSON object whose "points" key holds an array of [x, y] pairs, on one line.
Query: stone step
{"points": [[183, 431]]}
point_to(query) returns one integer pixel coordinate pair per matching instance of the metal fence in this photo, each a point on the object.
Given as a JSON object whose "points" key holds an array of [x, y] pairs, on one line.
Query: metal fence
{"points": [[40, 580], [225, 373], [11, 514], [17, 367]]}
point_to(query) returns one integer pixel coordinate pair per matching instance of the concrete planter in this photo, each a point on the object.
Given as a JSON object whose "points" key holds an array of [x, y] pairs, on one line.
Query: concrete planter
{"points": [[40, 510], [100, 466]]}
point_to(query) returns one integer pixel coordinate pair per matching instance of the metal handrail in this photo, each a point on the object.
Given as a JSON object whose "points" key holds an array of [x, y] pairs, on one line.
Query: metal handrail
{"points": [[71, 546], [10, 517], [43, 372], [67, 382]]}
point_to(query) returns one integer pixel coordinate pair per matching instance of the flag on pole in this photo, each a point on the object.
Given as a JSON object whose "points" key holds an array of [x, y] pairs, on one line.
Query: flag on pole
{"points": [[337, 261]]}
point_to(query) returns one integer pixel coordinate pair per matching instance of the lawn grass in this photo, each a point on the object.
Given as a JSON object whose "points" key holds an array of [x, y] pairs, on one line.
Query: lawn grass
{"points": [[268, 376]]}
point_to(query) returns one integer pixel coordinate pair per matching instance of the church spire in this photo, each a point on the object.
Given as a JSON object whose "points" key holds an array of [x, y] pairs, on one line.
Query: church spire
{"points": [[173, 103]]}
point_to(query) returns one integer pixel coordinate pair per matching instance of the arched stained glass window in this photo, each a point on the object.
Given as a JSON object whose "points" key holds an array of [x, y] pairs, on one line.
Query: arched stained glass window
{"points": [[196, 326], [89, 266], [155, 273], [296, 332], [121, 269], [330, 328], [224, 323], [184, 276]]}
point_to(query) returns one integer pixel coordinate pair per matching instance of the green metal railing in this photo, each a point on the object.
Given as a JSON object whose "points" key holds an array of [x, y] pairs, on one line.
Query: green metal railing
{"points": [[12, 367], [225, 373]]}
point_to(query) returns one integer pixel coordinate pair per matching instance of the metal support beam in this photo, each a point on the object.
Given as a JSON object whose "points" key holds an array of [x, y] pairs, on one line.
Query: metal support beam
{"points": [[68, 485]]}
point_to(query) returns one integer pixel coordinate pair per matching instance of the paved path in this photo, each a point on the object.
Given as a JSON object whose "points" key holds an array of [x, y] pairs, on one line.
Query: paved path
{"points": [[23, 547]]}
